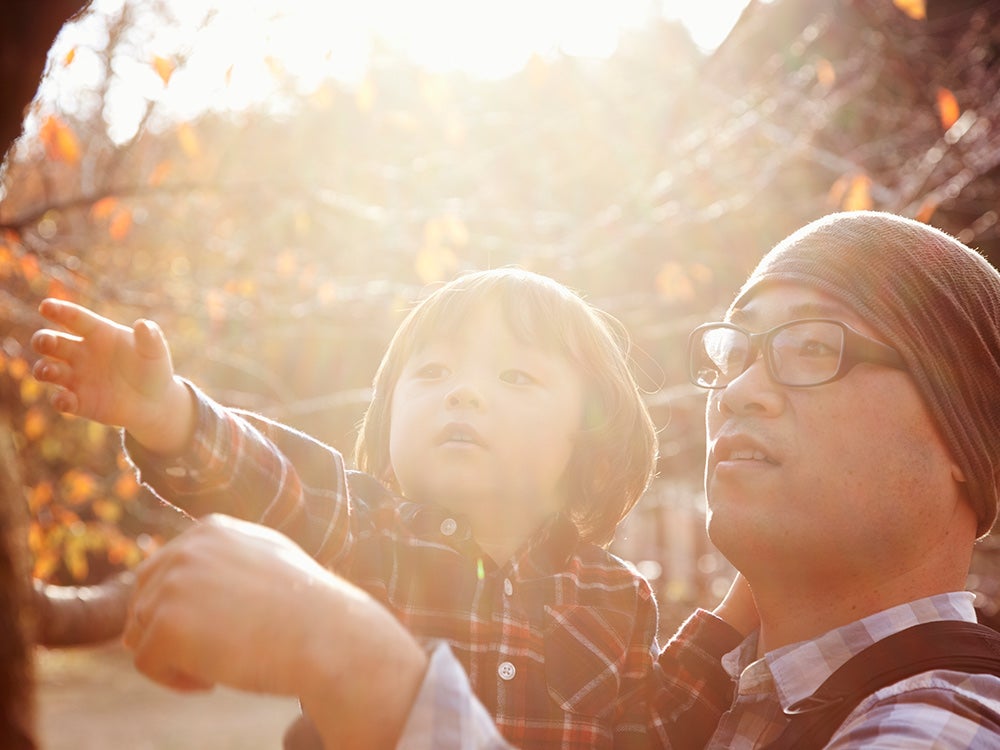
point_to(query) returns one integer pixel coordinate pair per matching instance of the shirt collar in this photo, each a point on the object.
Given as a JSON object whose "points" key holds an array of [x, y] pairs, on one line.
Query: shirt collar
{"points": [[796, 671]]}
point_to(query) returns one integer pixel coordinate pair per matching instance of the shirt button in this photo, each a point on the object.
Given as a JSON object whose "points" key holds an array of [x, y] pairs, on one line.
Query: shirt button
{"points": [[506, 671], [508, 587], [448, 526]]}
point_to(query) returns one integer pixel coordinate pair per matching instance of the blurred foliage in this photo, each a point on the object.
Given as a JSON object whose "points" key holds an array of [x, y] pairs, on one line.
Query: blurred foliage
{"points": [[279, 246]]}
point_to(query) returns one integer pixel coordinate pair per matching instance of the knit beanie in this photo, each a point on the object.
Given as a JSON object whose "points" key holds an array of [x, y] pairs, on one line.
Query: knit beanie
{"points": [[933, 299]]}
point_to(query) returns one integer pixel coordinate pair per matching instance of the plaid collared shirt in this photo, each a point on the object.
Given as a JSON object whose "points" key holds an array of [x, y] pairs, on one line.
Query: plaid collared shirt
{"points": [[939, 709], [559, 642]]}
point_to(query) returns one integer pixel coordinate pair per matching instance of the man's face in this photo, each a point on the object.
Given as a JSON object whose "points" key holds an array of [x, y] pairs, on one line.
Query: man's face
{"points": [[831, 479]]}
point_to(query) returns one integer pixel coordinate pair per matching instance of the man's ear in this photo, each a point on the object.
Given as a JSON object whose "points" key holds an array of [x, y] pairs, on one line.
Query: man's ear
{"points": [[957, 474]]}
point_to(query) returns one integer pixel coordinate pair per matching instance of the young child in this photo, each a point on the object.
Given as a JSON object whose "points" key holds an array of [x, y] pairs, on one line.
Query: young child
{"points": [[505, 441]]}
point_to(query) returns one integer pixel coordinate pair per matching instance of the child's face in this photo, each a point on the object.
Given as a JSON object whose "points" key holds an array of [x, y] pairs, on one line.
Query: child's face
{"points": [[485, 424]]}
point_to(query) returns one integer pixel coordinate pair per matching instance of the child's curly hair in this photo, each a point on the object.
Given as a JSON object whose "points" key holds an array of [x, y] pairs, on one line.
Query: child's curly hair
{"points": [[615, 455]]}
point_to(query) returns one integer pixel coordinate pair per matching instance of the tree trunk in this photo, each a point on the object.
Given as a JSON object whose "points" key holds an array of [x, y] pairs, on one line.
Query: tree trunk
{"points": [[17, 680]]}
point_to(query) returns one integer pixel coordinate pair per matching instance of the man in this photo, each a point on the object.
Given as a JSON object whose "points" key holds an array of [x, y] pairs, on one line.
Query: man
{"points": [[850, 470], [852, 432]]}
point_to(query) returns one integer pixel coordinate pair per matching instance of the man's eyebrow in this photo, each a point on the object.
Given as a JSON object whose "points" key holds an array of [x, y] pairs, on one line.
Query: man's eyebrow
{"points": [[742, 317]]}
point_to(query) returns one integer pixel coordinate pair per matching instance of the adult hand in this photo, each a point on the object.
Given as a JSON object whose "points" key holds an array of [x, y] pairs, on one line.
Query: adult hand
{"points": [[113, 374], [230, 602]]}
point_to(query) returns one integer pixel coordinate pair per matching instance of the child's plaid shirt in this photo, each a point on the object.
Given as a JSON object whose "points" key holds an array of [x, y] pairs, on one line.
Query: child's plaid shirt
{"points": [[559, 642]]}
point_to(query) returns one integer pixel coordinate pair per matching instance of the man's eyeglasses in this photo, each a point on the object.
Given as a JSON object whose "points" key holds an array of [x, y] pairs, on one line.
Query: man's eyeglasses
{"points": [[800, 353]]}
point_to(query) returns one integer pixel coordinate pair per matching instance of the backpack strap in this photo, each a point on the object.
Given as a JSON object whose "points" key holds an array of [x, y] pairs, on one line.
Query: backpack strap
{"points": [[948, 644]]}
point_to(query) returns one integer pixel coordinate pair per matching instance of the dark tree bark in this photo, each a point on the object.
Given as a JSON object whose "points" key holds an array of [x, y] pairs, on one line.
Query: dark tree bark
{"points": [[17, 700], [26, 34], [27, 30]]}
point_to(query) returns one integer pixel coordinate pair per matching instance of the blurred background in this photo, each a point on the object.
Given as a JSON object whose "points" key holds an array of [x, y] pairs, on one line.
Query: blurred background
{"points": [[276, 183]]}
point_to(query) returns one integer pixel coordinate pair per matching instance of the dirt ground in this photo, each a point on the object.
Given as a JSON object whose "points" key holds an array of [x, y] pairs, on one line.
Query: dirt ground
{"points": [[93, 698]]}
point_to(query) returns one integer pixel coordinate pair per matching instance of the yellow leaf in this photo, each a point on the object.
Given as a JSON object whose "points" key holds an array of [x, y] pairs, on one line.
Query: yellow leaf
{"points": [[188, 140], [275, 65], [75, 558], [35, 422], [858, 196], [434, 263], [365, 95], [164, 68], [31, 391], [455, 230], [59, 140], [68, 59], [916, 9], [107, 510], [18, 367], [947, 106]]}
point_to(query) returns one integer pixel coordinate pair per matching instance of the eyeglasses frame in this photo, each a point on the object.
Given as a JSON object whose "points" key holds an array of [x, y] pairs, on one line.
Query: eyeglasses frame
{"points": [[856, 348]]}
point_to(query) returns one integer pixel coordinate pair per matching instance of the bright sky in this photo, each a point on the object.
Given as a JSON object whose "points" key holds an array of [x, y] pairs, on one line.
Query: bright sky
{"points": [[233, 58]]}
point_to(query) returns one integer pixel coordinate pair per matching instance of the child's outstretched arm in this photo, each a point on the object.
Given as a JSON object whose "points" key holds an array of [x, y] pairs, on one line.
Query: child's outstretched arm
{"points": [[113, 374]]}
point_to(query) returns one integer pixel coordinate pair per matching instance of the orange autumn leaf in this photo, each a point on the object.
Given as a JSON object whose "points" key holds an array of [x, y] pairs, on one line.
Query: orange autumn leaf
{"points": [[164, 68], [29, 267], [70, 56], [926, 210], [858, 196], [120, 224], [915, 9], [126, 487], [35, 423], [8, 265], [947, 107], [160, 172], [673, 283], [17, 367], [825, 73], [39, 496], [78, 486], [46, 563], [104, 207], [59, 140]]}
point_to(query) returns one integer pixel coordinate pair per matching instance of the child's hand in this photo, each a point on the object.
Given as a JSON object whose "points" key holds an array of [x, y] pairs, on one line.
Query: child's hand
{"points": [[112, 374], [738, 607]]}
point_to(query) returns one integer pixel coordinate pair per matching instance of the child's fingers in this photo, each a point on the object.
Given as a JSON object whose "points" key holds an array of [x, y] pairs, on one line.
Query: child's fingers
{"points": [[52, 371], [150, 342], [65, 401], [53, 344], [71, 316]]}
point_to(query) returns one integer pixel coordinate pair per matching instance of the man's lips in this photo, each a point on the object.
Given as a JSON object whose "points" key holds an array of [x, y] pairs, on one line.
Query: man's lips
{"points": [[741, 448], [459, 432]]}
